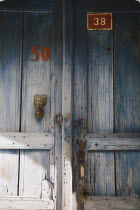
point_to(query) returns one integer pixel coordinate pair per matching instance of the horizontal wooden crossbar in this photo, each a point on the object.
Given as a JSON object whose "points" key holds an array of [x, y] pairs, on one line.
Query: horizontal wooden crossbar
{"points": [[112, 141], [112, 203], [16, 140], [23, 203]]}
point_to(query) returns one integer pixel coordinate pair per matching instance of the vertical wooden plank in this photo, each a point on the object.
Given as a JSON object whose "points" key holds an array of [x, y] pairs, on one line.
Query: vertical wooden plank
{"points": [[127, 73], [103, 173], [99, 172], [90, 173], [34, 168], [56, 99], [8, 172], [100, 106], [127, 173], [127, 97], [10, 71], [36, 81], [79, 96], [100, 81], [36, 74], [67, 106], [10, 82]]}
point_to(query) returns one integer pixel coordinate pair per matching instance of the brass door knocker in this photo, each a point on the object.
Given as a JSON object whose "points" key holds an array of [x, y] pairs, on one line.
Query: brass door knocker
{"points": [[39, 102]]}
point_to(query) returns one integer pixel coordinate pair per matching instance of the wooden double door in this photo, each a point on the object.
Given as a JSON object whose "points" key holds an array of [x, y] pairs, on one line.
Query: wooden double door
{"points": [[94, 100]]}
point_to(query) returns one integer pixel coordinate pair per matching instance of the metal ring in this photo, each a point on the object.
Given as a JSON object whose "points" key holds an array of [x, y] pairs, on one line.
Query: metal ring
{"points": [[79, 121], [57, 119]]}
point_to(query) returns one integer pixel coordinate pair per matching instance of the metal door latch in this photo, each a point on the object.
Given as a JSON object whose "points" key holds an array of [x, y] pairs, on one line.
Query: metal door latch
{"points": [[81, 158], [84, 194], [39, 102]]}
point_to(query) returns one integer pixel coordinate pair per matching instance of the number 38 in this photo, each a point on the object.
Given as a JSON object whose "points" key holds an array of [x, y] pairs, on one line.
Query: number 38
{"points": [[99, 21], [45, 53]]}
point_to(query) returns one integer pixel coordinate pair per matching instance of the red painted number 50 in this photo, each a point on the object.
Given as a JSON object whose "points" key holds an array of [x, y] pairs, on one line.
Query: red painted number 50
{"points": [[45, 53]]}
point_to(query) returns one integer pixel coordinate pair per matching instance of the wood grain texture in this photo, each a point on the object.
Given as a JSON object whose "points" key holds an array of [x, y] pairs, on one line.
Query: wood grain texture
{"points": [[100, 173], [127, 74], [45, 78], [36, 165], [127, 97], [67, 106], [47, 190], [100, 81], [9, 172], [36, 75], [100, 107], [10, 71], [93, 98], [111, 203], [112, 142], [79, 97], [34, 168], [15, 140], [10, 79], [127, 173], [56, 100], [21, 203]]}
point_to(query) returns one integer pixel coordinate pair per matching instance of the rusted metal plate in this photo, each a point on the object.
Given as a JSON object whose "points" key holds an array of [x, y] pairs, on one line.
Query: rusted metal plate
{"points": [[99, 21]]}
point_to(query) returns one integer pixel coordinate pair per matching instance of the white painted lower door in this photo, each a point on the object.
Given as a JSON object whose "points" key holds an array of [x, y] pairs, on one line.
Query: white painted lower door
{"points": [[30, 171]]}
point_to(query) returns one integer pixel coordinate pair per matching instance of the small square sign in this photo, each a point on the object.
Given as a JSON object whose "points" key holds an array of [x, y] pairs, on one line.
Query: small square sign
{"points": [[99, 21]]}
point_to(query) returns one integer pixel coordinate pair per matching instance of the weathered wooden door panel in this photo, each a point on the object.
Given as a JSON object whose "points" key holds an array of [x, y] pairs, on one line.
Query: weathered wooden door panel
{"points": [[29, 170], [100, 81], [129, 178], [112, 203], [127, 72], [100, 106], [110, 86], [36, 81], [9, 172], [93, 100], [38, 29], [10, 70], [35, 174], [34, 168], [127, 98], [10, 83], [127, 173]]}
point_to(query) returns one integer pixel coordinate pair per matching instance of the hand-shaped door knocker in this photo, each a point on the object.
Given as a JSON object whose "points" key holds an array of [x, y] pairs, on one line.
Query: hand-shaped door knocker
{"points": [[39, 102]]}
